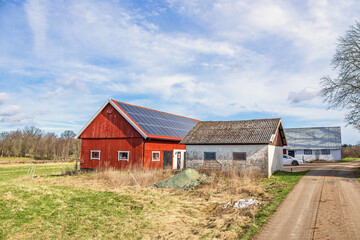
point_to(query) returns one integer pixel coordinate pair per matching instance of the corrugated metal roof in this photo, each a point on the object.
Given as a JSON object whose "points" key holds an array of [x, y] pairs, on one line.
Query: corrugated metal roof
{"points": [[258, 131], [313, 138]]}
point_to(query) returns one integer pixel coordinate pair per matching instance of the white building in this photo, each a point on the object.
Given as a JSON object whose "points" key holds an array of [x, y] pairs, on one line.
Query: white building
{"points": [[316, 143], [240, 145]]}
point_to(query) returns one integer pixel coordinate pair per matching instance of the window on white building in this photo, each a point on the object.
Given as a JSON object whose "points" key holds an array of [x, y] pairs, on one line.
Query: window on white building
{"points": [[325, 151], [209, 155], [307, 152], [239, 155]]}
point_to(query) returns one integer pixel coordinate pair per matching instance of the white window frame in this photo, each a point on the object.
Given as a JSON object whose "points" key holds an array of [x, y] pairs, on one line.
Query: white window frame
{"points": [[91, 157], [152, 156], [123, 159]]}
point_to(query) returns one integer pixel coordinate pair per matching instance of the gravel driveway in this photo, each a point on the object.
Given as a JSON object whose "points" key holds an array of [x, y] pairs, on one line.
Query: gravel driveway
{"points": [[325, 204]]}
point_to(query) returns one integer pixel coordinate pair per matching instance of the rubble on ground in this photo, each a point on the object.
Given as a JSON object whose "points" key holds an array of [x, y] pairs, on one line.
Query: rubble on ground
{"points": [[242, 203]]}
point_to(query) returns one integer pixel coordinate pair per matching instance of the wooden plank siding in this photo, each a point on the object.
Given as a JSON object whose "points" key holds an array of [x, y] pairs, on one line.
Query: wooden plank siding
{"points": [[109, 133], [109, 149], [159, 145], [110, 124], [277, 140]]}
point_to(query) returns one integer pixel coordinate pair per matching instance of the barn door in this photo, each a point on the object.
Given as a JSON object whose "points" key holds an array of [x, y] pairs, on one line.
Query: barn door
{"points": [[167, 159]]}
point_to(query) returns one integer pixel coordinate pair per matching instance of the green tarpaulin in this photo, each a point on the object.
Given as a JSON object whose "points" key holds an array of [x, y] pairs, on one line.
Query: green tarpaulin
{"points": [[185, 180]]}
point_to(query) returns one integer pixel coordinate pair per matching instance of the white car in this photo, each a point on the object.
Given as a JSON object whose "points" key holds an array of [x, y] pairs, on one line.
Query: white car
{"points": [[288, 160]]}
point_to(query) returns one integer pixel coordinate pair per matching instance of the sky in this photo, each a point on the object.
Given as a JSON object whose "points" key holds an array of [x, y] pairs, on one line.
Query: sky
{"points": [[211, 60]]}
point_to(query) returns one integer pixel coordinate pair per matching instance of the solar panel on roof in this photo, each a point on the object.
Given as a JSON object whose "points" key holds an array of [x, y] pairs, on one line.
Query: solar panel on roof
{"points": [[158, 123]]}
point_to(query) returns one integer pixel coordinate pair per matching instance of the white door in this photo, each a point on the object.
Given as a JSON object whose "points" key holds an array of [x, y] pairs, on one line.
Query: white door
{"points": [[178, 159]]}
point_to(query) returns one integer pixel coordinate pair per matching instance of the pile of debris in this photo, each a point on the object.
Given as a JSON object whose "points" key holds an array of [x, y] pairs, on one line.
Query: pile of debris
{"points": [[242, 203], [185, 180]]}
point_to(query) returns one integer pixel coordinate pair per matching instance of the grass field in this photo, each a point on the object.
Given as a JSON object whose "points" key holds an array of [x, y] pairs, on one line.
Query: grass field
{"points": [[349, 159], [108, 205], [16, 159]]}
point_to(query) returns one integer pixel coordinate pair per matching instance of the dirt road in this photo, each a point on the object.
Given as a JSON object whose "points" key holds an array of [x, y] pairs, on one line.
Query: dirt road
{"points": [[325, 204]]}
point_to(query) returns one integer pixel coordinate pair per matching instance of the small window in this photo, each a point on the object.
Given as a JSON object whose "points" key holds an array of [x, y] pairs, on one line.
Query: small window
{"points": [[123, 155], [156, 156], [239, 155], [95, 155], [209, 155], [325, 151], [307, 152]]}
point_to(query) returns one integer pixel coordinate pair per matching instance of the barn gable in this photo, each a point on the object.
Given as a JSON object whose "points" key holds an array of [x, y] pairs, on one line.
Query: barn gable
{"points": [[109, 123], [147, 122]]}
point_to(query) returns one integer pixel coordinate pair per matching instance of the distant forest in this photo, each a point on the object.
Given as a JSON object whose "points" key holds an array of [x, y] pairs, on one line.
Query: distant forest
{"points": [[34, 143]]}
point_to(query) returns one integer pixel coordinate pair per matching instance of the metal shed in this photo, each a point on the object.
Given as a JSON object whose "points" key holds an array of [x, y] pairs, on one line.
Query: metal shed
{"points": [[314, 143]]}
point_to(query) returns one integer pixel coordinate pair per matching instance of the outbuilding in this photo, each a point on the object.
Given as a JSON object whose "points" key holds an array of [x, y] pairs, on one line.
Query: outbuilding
{"points": [[314, 143], [240, 145], [123, 136]]}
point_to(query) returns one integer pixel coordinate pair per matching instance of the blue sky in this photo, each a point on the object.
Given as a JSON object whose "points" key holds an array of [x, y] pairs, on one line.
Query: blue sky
{"points": [[211, 60]]}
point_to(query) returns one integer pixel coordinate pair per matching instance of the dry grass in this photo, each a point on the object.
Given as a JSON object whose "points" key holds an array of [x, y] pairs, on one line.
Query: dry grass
{"points": [[109, 205], [124, 179], [179, 214]]}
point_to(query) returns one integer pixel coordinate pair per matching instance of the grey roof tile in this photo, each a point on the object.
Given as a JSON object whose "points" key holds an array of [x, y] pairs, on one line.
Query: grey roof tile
{"points": [[257, 131]]}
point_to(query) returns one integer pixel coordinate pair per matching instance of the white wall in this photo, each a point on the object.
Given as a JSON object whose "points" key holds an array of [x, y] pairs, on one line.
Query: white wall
{"points": [[275, 159], [256, 156], [335, 155]]}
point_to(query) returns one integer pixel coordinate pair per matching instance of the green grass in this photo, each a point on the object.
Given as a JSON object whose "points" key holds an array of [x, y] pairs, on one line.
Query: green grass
{"points": [[62, 208], [349, 159], [278, 186], [9, 172]]}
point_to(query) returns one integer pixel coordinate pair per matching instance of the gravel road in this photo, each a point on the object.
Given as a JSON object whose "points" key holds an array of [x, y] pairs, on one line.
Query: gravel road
{"points": [[325, 204]]}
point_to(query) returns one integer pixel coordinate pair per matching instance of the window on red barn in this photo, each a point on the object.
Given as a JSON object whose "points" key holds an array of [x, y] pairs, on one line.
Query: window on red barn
{"points": [[156, 155], [95, 155], [123, 155]]}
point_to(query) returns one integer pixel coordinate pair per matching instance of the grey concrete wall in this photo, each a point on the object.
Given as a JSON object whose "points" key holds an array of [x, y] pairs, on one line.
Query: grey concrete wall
{"points": [[256, 156]]}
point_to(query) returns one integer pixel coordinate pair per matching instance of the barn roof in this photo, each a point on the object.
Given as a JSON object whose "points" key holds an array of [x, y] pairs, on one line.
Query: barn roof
{"points": [[259, 131], [313, 138], [151, 123]]}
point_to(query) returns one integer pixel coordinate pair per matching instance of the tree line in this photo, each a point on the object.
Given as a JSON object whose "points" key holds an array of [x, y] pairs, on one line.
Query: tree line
{"points": [[34, 143], [350, 151]]}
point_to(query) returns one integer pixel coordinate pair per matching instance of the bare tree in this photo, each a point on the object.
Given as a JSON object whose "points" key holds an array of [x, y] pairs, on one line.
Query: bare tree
{"points": [[33, 142], [343, 92]]}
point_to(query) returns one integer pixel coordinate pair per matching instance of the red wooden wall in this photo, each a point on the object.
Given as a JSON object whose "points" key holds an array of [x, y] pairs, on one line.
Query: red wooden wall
{"points": [[159, 145], [277, 140], [109, 132], [108, 153]]}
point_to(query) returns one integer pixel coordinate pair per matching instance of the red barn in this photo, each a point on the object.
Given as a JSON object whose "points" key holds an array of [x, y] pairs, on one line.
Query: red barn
{"points": [[123, 136]]}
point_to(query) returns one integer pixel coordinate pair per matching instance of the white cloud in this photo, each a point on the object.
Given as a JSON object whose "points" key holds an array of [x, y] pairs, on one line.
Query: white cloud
{"points": [[3, 97], [243, 56], [10, 110], [58, 92], [36, 11], [13, 116], [303, 95]]}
